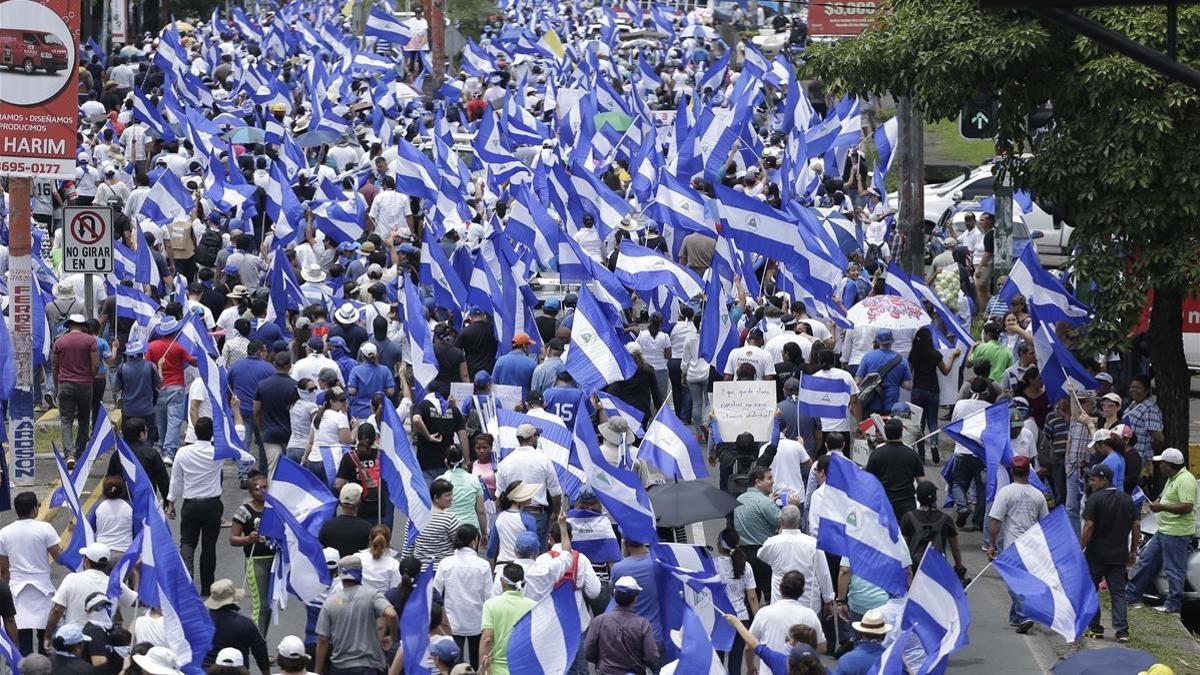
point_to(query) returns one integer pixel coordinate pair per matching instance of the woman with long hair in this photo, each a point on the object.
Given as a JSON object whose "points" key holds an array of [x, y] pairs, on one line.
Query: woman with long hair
{"points": [[112, 520], [258, 551], [739, 588], [381, 570], [511, 521], [926, 361], [330, 434]]}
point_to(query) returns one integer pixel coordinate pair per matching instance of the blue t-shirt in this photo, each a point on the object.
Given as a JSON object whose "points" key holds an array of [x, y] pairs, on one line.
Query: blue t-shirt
{"points": [[105, 352], [1116, 462], [564, 402], [514, 368], [135, 379], [889, 390], [859, 660], [244, 381], [367, 379], [267, 332], [277, 394], [643, 569]]}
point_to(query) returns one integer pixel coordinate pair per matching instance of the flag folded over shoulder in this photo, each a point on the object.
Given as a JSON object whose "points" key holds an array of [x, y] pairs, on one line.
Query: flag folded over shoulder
{"points": [[546, 640]]}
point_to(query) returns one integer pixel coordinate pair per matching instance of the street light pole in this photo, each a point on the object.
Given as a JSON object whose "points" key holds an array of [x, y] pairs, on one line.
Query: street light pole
{"points": [[20, 285]]}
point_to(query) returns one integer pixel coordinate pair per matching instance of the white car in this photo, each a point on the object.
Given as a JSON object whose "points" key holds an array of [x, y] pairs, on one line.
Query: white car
{"points": [[1053, 245]]}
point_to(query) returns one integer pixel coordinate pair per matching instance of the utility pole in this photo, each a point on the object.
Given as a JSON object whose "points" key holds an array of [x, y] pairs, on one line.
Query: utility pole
{"points": [[20, 285], [1002, 258], [911, 214], [435, 10]]}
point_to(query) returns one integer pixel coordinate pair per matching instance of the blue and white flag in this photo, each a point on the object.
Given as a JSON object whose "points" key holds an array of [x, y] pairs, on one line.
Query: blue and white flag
{"points": [[306, 498], [646, 270], [101, 441], [227, 442], [986, 435], [398, 467], [546, 640], [82, 533], [1047, 297], [283, 290], [892, 661], [718, 334], [619, 489], [672, 448], [554, 441], [592, 535], [435, 271], [420, 341], [414, 172], [615, 407], [299, 565], [696, 653], [936, 610], [414, 624], [887, 139], [124, 565], [827, 397], [897, 282], [381, 23], [678, 205], [688, 579], [857, 521], [1060, 370], [338, 220], [168, 200], [1046, 569], [595, 358], [714, 77]]}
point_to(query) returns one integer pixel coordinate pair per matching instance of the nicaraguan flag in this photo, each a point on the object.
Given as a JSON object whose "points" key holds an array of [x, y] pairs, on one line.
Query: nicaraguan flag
{"points": [[420, 342], [596, 358], [592, 535], [399, 468], [227, 443], [554, 441], [414, 623], [986, 435], [897, 282], [381, 23], [672, 448], [168, 200], [301, 558], [615, 407], [718, 334], [619, 490], [645, 270], [101, 441], [546, 640], [696, 653], [827, 397], [448, 289], [936, 610], [714, 77], [857, 521], [1047, 297], [688, 579], [892, 662], [1046, 569], [678, 205], [1059, 368], [887, 139], [338, 220], [305, 496], [82, 534]]}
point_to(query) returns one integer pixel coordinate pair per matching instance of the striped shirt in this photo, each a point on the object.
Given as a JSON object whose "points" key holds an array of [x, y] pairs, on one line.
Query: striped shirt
{"points": [[1078, 438], [1144, 418], [436, 540]]}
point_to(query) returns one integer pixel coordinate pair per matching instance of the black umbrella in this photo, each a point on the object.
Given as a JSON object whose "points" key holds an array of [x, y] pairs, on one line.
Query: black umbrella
{"points": [[1110, 659], [689, 501]]}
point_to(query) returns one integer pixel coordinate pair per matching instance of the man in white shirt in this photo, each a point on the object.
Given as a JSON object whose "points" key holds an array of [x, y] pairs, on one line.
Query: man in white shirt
{"points": [[793, 332], [28, 548], [311, 365], [968, 468], [754, 354], [73, 591], [772, 623], [529, 464], [465, 582], [196, 485], [391, 213], [589, 240], [793, 551]]}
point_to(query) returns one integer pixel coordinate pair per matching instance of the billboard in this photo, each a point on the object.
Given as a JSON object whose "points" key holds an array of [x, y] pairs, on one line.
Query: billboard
{"points": [[840, 19], [39, 81]]}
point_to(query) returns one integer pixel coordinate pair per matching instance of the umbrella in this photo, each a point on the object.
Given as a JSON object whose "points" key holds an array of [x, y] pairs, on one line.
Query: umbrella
{"points": [[888, 311], [618, 121], [310, 139], [698, 31], [247, 135], [689, 501], [1110, 660]]}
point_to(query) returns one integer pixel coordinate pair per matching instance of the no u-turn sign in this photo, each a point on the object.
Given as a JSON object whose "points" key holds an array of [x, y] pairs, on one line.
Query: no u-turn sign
{"points": [[87, 239]]}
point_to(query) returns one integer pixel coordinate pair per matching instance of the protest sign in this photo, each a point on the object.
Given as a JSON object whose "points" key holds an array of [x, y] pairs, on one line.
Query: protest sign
{"points": [[744, 407]]}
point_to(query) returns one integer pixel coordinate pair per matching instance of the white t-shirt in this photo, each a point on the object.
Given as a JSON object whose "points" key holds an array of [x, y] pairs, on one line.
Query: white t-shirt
{"points": [[654, 349], [114, 524], [756, 356], [327, 434], [772, 623], [147, 628], [301, 418], [735, 589], [197, 392], [75, 589]]}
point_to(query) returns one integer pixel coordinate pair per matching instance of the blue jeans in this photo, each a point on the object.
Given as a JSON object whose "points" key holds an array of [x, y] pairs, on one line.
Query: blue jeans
{"points": [[682, 400], [928, 401], [1074, 498], [1016, 612], [542, 518], [968, 471], [252, 439], [1165, 551], [168, 416]]}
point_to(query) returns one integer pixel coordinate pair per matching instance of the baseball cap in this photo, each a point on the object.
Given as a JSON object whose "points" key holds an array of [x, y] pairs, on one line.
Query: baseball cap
{"points": [[483, 377], [1020, 462], [315, 344], [884, 336], [527, 542], [1111, 398], [351, 568], [71, 634], [900, 408], [96, 552], [350, 495], [1172, 455], [368, 349], [1099, 436], [521, 340], [526, 430], [230, 656], [1104, 377], [291, 647], [331, 558], [445, 650], [552, 305], [337, 341], [627, 585], [1101, 471]]}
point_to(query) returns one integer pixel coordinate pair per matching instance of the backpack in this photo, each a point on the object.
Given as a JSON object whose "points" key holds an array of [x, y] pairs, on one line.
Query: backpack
{"points": [[739, 478], [61, 327], [368, 477], [208, 248], [927, 529], [874, 258]]}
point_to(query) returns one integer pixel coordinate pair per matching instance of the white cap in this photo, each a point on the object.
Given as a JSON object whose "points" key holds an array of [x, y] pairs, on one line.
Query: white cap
{"points": [[230, 656], [628, 584], [291, 647], [1099, 436], [1172, 455], [96, 552], [369, 349], [526, 430]]}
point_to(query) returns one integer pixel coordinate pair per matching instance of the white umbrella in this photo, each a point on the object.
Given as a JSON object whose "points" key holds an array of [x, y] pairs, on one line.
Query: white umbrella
{"points": [[888, 311], [698, 31]]}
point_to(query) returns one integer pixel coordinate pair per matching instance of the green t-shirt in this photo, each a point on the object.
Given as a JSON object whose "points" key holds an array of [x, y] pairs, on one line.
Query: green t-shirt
{"points": [[501, 614], [467, 489], [756, 517], [1180, 489], [998, 355]]}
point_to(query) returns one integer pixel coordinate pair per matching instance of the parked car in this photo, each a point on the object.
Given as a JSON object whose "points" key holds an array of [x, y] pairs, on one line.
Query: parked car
{"points": [[1053, 244], [32, 50], [1191, 568]]}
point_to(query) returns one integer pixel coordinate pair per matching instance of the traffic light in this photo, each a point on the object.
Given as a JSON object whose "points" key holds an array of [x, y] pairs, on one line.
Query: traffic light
{"points": [[977, 121]]}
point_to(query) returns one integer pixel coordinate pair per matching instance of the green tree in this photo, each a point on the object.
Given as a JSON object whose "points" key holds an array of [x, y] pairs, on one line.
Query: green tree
{"points": [[1118, 156]]}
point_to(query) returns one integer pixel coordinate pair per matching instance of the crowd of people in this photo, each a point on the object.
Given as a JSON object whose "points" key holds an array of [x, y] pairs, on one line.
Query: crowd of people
{"points": [[338, 294]]}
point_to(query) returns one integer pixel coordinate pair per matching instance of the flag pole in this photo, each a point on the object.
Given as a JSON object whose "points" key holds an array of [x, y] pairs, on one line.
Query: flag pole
{"points": [[976, 577], [937, 431]]}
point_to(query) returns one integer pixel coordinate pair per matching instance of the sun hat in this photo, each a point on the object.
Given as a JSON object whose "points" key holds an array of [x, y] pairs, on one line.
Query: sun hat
{"points": [[222, 593], [524, 492], [157, 661], [872, 623]]}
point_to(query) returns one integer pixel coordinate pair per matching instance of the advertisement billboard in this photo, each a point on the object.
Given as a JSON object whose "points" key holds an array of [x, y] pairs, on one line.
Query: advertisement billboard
{"points": [[39, 80], [840, 19]]}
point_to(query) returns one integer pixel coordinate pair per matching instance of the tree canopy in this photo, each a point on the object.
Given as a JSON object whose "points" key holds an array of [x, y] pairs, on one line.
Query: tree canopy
{"points": [[1119, 156]]}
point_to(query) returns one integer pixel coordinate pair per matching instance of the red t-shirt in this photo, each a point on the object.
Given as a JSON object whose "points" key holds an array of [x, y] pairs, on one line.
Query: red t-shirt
{"points": [[170, 357], [74, 352]]}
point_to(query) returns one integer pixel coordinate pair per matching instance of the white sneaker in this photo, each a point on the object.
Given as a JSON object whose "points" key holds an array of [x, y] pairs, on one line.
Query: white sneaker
{"points": [[168, 461]]}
